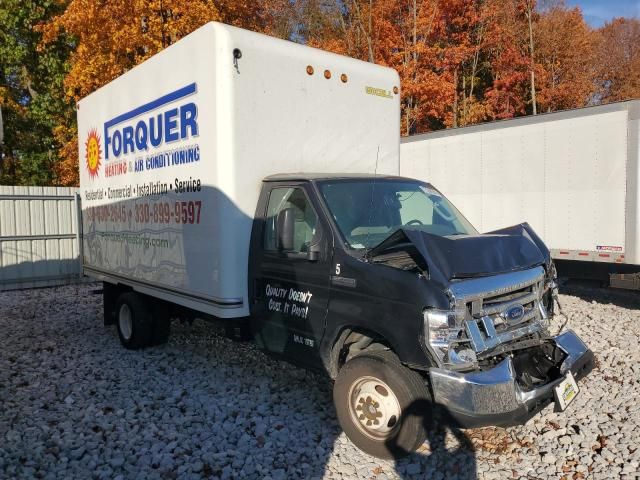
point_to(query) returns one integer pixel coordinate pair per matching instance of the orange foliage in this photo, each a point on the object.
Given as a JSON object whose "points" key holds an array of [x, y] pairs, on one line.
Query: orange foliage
{"points": [[565, 49], [8, 102], [618, 60], [114, 36], [67, 171]]}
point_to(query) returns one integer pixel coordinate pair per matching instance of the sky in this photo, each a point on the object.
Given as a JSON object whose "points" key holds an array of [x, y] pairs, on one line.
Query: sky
{"points": [[597, 12]]}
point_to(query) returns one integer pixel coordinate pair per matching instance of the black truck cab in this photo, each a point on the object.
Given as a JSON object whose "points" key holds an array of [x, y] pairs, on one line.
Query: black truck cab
{"points": [[382, 283], [308, 288]]}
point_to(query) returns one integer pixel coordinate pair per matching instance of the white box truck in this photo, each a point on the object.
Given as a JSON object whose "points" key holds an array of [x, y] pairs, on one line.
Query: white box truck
{"points": [[573, 175], [199, 199]]}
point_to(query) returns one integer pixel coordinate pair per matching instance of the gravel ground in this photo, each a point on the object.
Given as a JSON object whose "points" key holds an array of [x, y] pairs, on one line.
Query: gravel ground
{"points": [[74, 404]]}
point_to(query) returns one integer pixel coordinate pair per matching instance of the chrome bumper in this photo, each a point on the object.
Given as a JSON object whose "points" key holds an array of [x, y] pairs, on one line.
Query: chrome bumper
{"points": [[493, 397]]}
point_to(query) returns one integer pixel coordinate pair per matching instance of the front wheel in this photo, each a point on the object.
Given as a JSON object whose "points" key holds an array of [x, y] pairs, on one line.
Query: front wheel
{"points": [[382, 406]]}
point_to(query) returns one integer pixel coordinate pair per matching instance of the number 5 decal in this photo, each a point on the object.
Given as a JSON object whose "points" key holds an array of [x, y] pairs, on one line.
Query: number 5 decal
{"points": [[337, 269]]}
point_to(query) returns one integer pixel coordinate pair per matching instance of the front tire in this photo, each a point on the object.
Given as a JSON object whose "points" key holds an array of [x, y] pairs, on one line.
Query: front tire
{"points": [[382, 406], [134, 322]]}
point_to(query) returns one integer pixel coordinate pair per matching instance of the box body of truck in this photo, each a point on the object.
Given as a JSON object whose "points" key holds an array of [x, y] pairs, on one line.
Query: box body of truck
{"points": [[572, 175], [172, 155]]}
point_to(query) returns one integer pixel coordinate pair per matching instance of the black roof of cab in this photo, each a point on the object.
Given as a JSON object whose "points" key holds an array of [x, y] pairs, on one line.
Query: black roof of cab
{"points": [[305, 177]]}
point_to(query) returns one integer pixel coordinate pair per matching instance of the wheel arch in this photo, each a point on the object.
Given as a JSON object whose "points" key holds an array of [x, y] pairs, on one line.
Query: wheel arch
{"points": [[351, 340]]}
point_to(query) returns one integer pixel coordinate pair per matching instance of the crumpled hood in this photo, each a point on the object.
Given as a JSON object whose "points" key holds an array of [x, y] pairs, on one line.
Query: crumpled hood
{"points": [[464, 256]]}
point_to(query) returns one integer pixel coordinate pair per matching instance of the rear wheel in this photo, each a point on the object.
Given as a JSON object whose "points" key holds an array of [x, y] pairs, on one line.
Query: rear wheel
{"points": [[383, 407], [134, 322]]}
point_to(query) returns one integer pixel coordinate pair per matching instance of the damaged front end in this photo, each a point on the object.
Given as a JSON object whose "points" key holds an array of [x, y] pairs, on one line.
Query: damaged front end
{"points": [[497, 362], [505, 395]]}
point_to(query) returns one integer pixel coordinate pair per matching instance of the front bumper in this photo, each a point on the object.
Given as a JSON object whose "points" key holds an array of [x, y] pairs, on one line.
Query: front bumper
{"points": [[494, 397]]}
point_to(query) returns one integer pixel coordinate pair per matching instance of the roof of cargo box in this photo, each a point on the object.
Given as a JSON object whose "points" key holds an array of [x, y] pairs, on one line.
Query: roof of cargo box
{"points": [[632, 106], [304, 177]]}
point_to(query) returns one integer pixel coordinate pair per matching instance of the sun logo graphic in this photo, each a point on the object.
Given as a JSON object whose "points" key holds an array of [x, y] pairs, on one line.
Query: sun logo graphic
{"points": [[94, 154]]}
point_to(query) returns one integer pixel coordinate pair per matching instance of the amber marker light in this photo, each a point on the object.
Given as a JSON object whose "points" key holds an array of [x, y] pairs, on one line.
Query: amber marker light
{"points": [[395, 90], [327, 74], [344, 78], [309, 69]]}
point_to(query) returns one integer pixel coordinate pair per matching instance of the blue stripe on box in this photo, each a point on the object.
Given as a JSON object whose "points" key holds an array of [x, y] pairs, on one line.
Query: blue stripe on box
{"points": [[168, 98]]}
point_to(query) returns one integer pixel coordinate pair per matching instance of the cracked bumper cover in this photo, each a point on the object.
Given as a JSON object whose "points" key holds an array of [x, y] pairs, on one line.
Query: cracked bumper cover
{"points": [[493, 397]]}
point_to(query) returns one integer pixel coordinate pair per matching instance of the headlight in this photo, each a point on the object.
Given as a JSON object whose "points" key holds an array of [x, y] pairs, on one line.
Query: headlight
{"points": [[442, 332], [438, 324]]}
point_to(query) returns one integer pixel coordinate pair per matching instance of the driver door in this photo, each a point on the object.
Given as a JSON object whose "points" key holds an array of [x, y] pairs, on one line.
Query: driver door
{"points": [[291, 282]]}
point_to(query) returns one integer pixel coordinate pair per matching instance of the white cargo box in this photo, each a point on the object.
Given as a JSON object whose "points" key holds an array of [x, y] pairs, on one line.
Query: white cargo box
{"points": [[172, 155], [572, 175]]}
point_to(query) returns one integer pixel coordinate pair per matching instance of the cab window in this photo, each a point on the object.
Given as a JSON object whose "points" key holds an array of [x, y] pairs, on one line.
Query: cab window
{"points": [[305, 218]]}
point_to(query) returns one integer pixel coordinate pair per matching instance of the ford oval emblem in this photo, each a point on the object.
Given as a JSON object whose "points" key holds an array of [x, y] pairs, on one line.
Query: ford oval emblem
{"points": [[513, 314]]}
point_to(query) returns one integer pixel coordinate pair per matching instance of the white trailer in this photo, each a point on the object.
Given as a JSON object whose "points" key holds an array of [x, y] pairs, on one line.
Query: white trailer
{"points": [[173, 154], [573, 175]]}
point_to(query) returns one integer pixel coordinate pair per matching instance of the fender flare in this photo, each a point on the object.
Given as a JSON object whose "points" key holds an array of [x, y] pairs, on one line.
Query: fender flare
{"points": [[336, 352]]}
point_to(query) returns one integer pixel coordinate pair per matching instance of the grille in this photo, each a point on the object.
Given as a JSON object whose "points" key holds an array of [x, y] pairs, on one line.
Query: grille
{"points": [[500, 309], [497, 308]]}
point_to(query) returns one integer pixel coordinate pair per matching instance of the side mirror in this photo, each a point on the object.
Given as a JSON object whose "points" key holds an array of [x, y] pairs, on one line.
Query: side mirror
{"points": [[285, 227]]}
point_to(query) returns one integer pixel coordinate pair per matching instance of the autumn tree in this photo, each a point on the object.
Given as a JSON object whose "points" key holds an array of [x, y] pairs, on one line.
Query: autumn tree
{"points": [[566, 52], [617, 60], [426, 66], [509, 92], [475, 69], [425, 70]]}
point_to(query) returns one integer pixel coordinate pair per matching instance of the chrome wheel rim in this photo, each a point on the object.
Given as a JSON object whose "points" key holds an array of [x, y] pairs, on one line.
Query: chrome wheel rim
{"points": [[125, 321], [374, 408]]}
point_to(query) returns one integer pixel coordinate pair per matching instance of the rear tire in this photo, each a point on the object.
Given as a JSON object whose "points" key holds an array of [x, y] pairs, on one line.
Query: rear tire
{"points": [[382, 406], [134, 322]]}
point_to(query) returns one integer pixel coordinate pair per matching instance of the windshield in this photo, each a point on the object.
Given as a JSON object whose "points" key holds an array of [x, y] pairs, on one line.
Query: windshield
{"points": [[368, 211]]}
